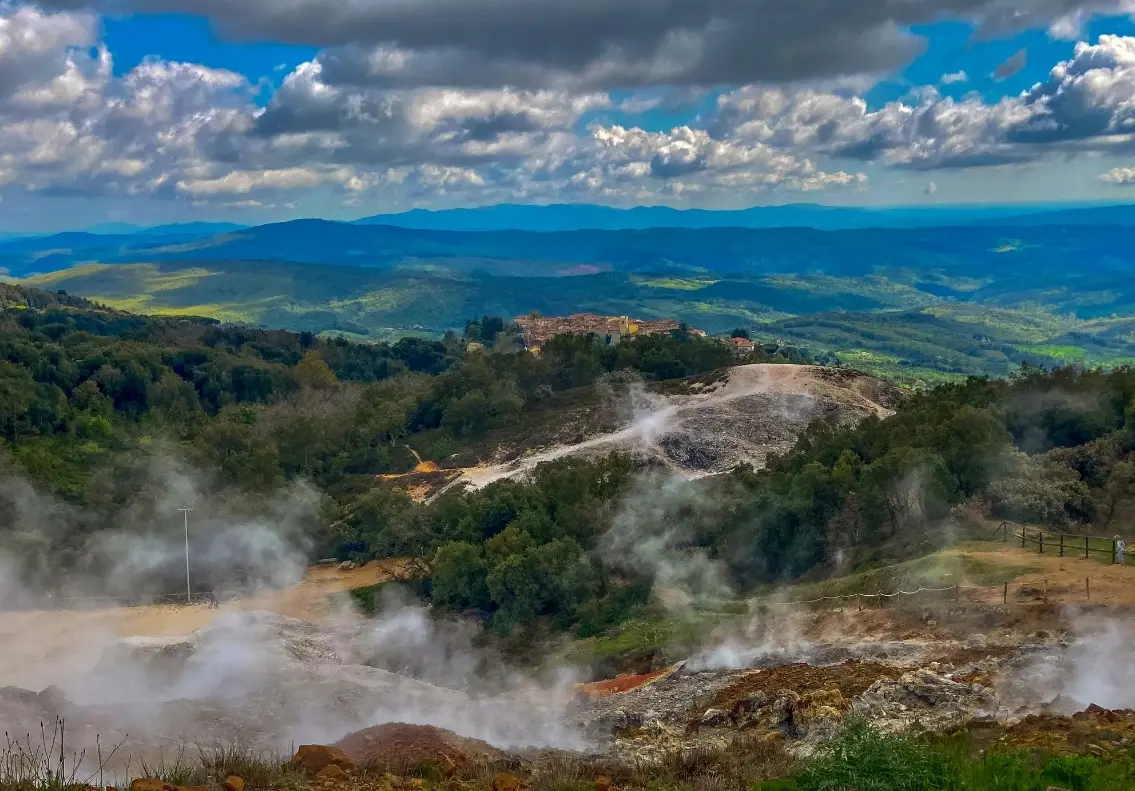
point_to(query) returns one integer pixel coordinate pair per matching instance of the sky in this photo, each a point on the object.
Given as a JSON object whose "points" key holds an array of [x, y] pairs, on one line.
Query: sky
{"points": [[158, 111]]}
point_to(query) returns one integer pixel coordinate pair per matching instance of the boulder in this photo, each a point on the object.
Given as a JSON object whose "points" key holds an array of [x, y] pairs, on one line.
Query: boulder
{"points": [[750, 703], [234, 783], [311, 759], [829, 698], [714, 718]]}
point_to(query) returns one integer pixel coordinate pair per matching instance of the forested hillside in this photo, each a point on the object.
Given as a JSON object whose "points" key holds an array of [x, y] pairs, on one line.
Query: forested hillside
{"points": [[1045, 447], [90, 397]]}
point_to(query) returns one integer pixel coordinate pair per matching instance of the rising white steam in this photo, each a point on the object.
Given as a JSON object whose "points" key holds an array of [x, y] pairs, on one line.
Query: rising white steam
{"points": [[1094, 666], [252, 678]]}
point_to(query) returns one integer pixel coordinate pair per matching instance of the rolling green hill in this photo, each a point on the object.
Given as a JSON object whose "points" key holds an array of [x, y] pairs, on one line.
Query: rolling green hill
{"points": [[916, 303], [880, 325]]}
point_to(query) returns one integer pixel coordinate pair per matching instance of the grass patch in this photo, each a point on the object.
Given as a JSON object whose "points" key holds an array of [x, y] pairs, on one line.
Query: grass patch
{"points": [[674, 283], [643, 635], [863, 758], [51, 278], [941, 569], [44, 762], [1069, 353]]}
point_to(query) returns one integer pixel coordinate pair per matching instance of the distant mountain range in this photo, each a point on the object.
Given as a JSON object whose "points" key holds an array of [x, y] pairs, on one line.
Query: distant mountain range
{"points": [[576, 217], [1103, 250], [572, 217], [944, 299]]}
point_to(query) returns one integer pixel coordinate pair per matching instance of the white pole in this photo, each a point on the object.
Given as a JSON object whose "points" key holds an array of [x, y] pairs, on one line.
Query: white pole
{"points": [[188, 591]]}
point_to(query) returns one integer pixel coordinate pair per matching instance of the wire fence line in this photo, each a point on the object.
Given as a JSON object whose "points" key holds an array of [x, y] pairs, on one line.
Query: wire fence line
{"points": [[956, 594], [207, 598]]}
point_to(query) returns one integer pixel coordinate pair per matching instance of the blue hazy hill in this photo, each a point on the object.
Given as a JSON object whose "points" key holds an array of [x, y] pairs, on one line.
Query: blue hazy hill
{"points": [[570, 217]]}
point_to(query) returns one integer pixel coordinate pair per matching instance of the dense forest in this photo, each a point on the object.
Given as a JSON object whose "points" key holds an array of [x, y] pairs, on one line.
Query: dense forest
{"points": [[86, 394], [90, 397], [1045, 447]]}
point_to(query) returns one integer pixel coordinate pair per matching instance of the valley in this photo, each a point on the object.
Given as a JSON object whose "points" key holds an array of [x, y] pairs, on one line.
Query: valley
{"points": [[916, 304]]}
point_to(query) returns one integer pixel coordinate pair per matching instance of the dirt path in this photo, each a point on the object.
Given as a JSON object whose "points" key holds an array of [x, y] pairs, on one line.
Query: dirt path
{"points": [[39, 646], [731, 412], [1065, 576]]}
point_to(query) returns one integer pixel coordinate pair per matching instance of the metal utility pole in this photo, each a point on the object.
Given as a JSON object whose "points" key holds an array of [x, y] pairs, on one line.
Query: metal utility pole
{"points": [[188, 591]]}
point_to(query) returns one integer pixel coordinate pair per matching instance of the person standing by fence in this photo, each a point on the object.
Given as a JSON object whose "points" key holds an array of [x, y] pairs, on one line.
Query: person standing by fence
{"points": [[1120, 551]]}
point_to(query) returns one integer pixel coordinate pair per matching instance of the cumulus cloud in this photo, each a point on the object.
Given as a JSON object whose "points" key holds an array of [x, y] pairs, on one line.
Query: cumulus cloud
{"points": [[1087, 103], [39, 50], [1120, 177], [606, 43], [418, 100], [1090, 97], [955, 77]]}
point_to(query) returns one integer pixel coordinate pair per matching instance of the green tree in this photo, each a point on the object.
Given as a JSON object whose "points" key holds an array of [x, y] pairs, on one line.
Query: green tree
{"points": [[459, 577], [313, 371], [1119, 489]]}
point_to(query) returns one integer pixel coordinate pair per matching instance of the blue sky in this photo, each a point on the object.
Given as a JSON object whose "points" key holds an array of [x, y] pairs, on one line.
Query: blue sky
{"points": [[184, 37], [258, 111]]}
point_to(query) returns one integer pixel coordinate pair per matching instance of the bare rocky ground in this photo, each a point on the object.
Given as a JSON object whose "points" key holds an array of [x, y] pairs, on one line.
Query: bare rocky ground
{"points": [[266, 682], [712, 426]]}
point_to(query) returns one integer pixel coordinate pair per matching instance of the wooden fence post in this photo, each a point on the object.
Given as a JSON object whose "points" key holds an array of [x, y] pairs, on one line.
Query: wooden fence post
{"points": [[859, 602], [1040, 540], [1046, 591], [1005, 594], [1061, 545], [1022, 538], [1114, 551], [1085, 547], [1088, 587]]}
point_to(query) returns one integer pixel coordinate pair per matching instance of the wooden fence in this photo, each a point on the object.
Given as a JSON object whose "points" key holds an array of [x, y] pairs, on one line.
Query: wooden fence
{"points": [[1062, 544]]}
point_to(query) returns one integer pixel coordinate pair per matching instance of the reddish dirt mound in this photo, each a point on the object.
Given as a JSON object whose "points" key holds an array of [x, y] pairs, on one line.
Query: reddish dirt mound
{"points": [[851, 678], [400, 745], [613, 686]]}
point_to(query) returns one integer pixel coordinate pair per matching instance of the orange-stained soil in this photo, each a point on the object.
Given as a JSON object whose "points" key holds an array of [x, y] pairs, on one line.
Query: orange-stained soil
{"points": [[625, 683]]}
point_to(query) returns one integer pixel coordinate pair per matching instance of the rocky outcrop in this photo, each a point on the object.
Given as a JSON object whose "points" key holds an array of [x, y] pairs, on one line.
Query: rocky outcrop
{"points": [[928, 698]]}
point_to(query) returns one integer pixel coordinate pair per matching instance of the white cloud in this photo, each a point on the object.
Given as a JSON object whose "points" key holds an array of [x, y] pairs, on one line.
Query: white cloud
{"points": [[184, 131], [586, 45], [1120, 177], [955, 77], [238, 182]]}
